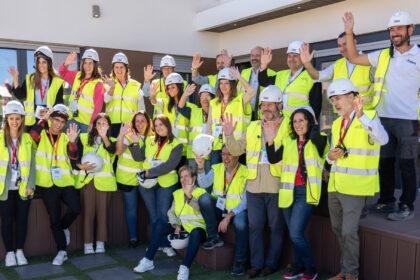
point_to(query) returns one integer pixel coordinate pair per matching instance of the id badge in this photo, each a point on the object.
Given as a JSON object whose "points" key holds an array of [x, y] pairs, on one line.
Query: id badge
{"points": [[221, 203], [15, 175], [73, 105], [56, 173], [217, 130], [176, 132]]}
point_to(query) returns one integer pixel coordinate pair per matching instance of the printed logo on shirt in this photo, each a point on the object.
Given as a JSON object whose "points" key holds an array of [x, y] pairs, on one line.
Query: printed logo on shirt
{"points": [[412, 62]]}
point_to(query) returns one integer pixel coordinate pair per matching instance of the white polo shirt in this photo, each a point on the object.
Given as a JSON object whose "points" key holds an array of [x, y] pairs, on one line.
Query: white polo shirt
{"points": [[402, 84]]}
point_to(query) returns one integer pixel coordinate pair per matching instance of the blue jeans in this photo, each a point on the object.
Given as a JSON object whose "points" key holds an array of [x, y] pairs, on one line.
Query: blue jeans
{"points": [[130, 206], [158, 200], [297, 217]]}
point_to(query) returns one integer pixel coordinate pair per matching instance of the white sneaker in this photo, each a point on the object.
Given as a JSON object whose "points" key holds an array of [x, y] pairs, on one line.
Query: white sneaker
{"points": [[10, 259], [60, 258], [67, 234], [20, 257], [183, 273], [89, 249], [100, 247], [169, 251], [144, 265]]}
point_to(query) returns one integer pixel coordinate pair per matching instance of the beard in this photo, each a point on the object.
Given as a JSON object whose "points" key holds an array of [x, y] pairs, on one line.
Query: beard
{"points": [[255, 63], [399, 41]]}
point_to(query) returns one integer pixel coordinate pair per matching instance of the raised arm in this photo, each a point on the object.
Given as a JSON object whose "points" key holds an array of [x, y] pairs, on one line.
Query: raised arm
{"points": [[353, 55], [306, 56]]}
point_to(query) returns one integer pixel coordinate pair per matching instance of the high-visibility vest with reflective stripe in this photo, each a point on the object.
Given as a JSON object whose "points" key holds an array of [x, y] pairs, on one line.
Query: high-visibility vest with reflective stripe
{"points": [[297, 91], [235, 189], [170, 178], [187, 215], [56, 84], [254, 146], [197, 124], [161, 92], [124, 102], [104, 180], [234, 107], [290, 163], [356, 174], [45, 159], [85, 104], [360, 78], [246, 74], [127, 167], [212, 80], [24, 159]]}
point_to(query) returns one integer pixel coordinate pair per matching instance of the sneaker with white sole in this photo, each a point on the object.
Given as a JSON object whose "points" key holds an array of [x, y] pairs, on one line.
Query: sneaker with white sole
{"points": [[10, 259], [169, 251], [100, 247], [183, 273], [60, 258], [89, 249], [144, 265], [67, 235], [20, 257]]}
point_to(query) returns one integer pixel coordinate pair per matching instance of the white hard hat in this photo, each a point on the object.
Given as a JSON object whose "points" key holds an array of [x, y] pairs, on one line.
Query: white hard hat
{"points": [[294, 47], [400, 18], [148, 183], [167, 61], [271, 93], [202, 145], [92, 54], [120, 57], [14, 107], [92, 157], [307, 108], [341, 87], [224, 74], [174, 78], [179, 242], [206, 88], [45, 51], [61, 108]]}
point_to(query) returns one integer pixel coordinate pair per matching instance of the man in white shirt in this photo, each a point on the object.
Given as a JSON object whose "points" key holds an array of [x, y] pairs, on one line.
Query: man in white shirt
{"points": [[397, 85]]}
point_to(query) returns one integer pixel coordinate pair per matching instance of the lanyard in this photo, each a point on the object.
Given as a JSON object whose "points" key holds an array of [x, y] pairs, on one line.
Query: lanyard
{"points": [[15, 150], [43, 92], [229, 180], [223, 109], [160, 147], [343, 130], [54, 144], [80, 88]]}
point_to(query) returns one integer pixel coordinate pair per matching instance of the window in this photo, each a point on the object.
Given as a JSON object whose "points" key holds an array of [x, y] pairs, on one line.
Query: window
{"points": [[8, 57]]}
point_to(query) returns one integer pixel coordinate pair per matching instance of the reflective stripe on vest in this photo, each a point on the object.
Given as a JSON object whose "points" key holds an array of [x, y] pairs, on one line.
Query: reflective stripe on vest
{"points": [[381, 70], [124, 102], [188, 216], [196, 128], [127, 167]]}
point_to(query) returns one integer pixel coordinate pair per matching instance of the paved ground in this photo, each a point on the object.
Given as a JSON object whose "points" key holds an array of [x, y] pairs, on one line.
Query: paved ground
{"points": [[117, 263]]}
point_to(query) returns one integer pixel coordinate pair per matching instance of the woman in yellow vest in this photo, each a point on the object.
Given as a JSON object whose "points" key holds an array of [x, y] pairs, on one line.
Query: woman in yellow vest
{"points": [[302, 157], [17, 179], [197, 117], [132, 136], [184, 213], [87, 92], [161, 155], [42, 89], [229, 101], [122, 99], [96, 183]]}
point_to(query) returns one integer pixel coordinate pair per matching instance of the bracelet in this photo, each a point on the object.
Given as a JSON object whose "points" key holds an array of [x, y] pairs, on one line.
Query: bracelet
{"points": [[194, 69]]}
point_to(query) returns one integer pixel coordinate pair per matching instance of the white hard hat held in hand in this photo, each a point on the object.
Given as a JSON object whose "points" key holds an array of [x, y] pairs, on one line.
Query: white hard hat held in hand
{"points": [[14, 107], [400, 18], [179, 242], [202, 145], [167, 61], [92, 157], [45, 51], [174, 78], [120, 57], [91, 54], [294, 47], [341, 87], [271, 93]]}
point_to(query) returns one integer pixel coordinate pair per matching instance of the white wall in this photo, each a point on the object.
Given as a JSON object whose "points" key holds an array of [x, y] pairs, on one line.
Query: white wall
{"points": [[317, 25], [153, 25]]}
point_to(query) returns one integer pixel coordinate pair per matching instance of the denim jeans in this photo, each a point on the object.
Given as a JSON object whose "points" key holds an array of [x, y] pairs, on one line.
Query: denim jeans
{"points": [[158, 200], [130, 206], [297, 218], [213, 215]]}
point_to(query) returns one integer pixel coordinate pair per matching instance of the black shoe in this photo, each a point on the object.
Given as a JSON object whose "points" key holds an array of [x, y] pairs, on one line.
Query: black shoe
{"points": [[213, 243], [238, 269], [133, 243], [267, 271], [253, 273], [383, 207], [403, 213]]}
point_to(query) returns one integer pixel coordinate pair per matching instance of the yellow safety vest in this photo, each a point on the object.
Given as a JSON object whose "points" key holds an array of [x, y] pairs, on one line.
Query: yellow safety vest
{"points": [[212, 80], [127, 167], [297, 91], [103, 180], [24, 158], [161, 93], [85, 102], [235, 190], [234, 107], [46, 158], [290, 163], [188, 216], [246, 74], [124, 102], [254, 146], [356, 174], [168, 179], [56, 84], [197, 126], [360, 78]]}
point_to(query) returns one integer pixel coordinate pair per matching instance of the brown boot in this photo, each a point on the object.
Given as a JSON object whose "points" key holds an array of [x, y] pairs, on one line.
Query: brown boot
{"points": [[351, 277], [339, 276]]}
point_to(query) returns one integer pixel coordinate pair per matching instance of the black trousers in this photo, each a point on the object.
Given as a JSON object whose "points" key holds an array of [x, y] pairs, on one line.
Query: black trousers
{"points": [[53, 197], [14, 210]]}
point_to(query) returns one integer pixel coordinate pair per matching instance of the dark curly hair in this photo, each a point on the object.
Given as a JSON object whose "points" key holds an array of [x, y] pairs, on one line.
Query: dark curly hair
{"points": [[308, 116]]}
